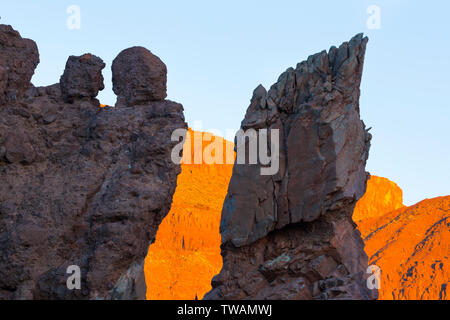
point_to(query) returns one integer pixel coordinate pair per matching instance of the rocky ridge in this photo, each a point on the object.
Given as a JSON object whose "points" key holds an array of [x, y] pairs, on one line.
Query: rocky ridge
{"points": [[81, 185]]}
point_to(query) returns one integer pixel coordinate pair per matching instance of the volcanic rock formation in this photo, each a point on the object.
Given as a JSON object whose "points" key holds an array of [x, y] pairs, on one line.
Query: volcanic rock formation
{"points": [[82, 78], [18, 59], [291, 235], [81, 185]]}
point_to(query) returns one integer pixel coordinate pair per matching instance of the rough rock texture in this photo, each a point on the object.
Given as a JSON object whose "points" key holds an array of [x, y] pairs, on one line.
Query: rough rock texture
{"points": [[18, 59], [291, 235], [82, 77], [138, 76], [80, 185]]}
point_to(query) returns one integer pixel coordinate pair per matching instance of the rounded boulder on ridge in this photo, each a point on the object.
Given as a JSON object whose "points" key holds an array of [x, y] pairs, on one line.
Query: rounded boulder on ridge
{"points": [[139, 77]]}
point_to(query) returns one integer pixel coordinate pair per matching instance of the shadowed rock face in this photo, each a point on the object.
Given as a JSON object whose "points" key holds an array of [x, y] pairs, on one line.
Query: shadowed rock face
{"points": [[291, 235], [81, 185]]}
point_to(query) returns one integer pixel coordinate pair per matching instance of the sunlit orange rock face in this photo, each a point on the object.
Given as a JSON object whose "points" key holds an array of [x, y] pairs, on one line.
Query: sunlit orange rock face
{"points": [[411, 245], [186, 253], [382, 196]]}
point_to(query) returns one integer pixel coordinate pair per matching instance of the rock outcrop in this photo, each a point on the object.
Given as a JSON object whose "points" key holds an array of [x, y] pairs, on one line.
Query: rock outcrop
{"points": [[81, 185], [291, 235], [382, 196]]}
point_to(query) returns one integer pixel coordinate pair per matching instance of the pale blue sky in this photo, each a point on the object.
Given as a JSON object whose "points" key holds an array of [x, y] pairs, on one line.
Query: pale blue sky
{"points": [[217, 53]]}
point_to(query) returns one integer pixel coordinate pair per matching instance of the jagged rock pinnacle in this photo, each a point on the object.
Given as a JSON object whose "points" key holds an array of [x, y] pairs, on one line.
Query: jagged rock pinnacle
{"points": [[291, 235]]}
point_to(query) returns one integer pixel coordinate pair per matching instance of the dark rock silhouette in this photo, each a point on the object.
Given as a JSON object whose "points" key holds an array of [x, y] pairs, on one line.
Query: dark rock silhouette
{"points": [[82, 77], [291, 235], [80, 185]]}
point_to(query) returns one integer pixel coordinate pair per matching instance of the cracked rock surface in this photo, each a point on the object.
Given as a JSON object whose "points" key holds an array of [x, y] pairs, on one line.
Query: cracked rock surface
{"points": [[80, 185], [291, 235]]}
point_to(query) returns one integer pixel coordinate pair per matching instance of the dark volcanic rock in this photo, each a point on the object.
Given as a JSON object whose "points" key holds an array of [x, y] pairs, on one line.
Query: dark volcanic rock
{"points": [[18, 59], [82, 77], [138, 77], [80, 185], [291, 235]]}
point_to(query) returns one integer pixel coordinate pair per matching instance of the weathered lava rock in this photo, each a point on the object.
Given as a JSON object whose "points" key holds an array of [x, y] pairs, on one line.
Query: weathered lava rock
{"points": [[80, 185], [291, 235], [82, 77], [138, 77], [18, 59]]}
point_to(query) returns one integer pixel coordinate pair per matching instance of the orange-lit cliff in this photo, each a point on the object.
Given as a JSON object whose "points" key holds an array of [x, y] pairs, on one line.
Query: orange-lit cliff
{"points": [[186, 253], [411, 245], [382, 196]]}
